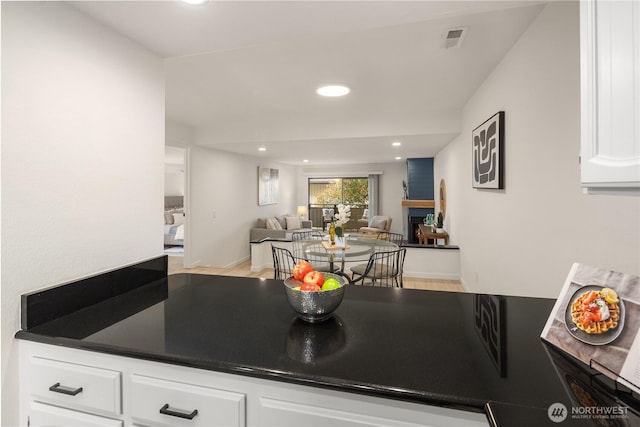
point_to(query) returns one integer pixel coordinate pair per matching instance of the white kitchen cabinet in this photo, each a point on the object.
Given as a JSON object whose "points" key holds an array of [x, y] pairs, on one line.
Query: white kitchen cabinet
{"points": [[75, 386], [220, 399], [284, 413], [610, 91], [161, 402], [43, 415]]}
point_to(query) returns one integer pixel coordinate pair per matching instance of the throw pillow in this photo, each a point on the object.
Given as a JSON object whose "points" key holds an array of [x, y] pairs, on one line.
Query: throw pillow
{"points": [[273, 224], [365, 214], [178, 218], [293, 223], [378, 222], [282, 219]]}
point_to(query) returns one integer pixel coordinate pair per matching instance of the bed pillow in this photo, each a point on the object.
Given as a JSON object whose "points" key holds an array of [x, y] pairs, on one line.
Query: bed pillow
{"points": [[168, 217], [178, 218], [273, 224], [293, 223]]}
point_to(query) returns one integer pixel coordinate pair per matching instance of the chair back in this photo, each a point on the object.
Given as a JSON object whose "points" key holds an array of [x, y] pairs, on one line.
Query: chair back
{"points": [[306, 235], [283, 263], [395, 238], [384, 269]]}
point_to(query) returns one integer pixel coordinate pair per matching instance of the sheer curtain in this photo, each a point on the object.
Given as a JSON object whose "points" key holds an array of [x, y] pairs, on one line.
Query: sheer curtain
{"points": [[374, 185]]}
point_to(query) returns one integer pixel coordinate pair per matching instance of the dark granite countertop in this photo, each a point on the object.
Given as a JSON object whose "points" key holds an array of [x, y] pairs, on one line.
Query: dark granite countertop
{"points": [[419, 346]]}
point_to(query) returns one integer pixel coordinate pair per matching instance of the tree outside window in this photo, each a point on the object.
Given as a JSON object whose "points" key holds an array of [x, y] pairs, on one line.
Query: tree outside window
{"points": [[328, 192]]}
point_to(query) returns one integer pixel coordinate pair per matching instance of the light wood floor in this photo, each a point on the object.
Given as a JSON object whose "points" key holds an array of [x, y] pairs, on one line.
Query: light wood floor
{"points": [[244, 270]]}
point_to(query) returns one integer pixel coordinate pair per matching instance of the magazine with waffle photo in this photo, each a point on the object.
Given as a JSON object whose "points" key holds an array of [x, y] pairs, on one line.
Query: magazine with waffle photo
{"points": [[596, 319]]}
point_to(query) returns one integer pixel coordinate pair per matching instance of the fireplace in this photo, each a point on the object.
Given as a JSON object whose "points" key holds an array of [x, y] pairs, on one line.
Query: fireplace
{"points": [[414, 222]]}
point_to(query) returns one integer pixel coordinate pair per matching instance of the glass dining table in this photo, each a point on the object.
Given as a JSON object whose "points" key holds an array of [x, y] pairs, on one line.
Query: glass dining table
{"points": [[356, 248]]}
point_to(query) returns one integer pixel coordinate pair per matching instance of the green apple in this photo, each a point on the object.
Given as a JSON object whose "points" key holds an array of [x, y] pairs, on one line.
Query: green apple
{"points": [[330, 284]]}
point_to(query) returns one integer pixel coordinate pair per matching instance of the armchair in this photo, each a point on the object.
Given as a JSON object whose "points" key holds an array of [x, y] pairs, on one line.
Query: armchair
{"points": [[376, 224]]}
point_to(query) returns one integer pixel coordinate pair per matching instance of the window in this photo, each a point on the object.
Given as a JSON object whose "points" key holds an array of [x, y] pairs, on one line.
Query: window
{"points": [[325, 193]]}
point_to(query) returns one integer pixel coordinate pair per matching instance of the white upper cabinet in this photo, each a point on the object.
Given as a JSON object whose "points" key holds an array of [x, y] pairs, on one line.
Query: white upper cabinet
{"points": [[610, 89]]}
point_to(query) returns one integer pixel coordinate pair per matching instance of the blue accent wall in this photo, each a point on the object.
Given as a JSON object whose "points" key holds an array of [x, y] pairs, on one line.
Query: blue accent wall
{"points": [[420, 183]]}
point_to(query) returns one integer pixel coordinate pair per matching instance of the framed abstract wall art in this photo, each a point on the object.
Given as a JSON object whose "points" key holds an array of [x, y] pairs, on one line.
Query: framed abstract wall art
{"points": [[268, 186], [488, 153]]}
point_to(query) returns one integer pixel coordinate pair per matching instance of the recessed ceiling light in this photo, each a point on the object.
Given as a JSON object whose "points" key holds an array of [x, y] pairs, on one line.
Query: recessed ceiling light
{"points": [[194, 2], [398, 158], [262, 149], [305, 161], [396, 143], [333, 90]]}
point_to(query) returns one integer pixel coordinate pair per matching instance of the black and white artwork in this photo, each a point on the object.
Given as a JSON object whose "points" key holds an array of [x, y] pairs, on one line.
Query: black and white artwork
{"points": [[488, 153], [268, 186]]}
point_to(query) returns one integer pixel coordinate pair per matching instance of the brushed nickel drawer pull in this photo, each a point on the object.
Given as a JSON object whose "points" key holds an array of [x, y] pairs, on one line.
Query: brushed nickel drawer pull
{"points": [[166, 411], [65, 390]]}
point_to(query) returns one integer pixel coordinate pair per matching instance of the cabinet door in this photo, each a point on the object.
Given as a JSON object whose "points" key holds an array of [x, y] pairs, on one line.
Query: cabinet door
{"points": [[41, 415], [160, 402], [610, 89], [281, 413], [75, 386]]}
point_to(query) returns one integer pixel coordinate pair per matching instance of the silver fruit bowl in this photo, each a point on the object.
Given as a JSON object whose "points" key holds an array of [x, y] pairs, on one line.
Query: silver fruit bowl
{"points": [[314, 306]]}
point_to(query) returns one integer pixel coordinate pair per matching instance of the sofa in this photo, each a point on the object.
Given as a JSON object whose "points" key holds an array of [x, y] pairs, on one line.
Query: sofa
{"points": [[280, 227]]}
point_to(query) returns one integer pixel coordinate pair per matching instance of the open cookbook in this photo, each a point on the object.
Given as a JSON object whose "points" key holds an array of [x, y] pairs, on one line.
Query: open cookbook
{"points": [[596, 319]]}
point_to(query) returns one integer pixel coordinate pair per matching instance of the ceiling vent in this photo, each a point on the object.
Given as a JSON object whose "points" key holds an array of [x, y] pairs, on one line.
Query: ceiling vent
{"points": [[453, 37]]}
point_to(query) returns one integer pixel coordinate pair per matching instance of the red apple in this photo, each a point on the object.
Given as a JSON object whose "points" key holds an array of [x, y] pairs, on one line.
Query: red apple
{"points": [[314, 277], [301, 269], [310, 287]]}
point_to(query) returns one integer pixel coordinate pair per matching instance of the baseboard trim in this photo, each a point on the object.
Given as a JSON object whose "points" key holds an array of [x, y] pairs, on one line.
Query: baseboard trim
{"points": [[235, 263], [430, 275]]}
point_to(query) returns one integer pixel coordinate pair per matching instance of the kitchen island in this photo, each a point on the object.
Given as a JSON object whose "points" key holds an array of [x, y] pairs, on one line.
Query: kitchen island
{"points": [[431, 357]]}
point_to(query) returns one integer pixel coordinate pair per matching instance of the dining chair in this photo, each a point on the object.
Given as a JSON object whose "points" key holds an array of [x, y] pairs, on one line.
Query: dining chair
{"points": [[383, 269], [395, 238], [306, 235], [283, 263], [316, 254]]}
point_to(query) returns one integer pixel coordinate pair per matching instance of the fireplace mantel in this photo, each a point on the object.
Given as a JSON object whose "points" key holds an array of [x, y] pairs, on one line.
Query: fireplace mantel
{"points": [[418, 203]]}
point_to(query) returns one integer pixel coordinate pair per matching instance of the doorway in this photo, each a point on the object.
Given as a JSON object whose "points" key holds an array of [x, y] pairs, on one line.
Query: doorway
{"points": [[175, 205]]}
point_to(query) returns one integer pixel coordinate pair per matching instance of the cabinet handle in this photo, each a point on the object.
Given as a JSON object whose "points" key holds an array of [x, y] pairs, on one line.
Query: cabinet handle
{"points": [[166, 411], [65, 390]]}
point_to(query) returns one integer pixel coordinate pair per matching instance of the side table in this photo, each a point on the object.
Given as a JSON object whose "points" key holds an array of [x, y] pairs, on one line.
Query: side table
{"points": [[428, 233]]}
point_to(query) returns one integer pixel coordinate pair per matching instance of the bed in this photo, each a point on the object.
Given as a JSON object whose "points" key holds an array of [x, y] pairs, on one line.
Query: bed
{"points": [[174, 221]]}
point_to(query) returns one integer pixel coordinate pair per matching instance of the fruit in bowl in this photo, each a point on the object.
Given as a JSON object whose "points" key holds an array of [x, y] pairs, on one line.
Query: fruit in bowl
{"points": [[316, 298]]}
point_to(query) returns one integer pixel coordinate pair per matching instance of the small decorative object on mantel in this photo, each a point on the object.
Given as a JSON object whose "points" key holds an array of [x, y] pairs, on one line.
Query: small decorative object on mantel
{"points": [[404, 188], [488, 153]]}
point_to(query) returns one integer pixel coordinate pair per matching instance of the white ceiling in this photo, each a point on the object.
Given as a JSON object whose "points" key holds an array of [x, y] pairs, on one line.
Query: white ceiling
{"points": [[243, 74]]}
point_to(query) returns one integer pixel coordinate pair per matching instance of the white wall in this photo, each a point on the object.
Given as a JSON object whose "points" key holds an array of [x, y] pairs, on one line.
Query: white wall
{"points": [[223, 204], [390, 185], [523, 240], [82, 158]]}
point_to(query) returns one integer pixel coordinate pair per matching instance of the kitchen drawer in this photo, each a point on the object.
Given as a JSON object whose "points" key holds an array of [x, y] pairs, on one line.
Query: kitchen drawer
{"points": [[169, 403], [41, 415], [75, 386]]}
